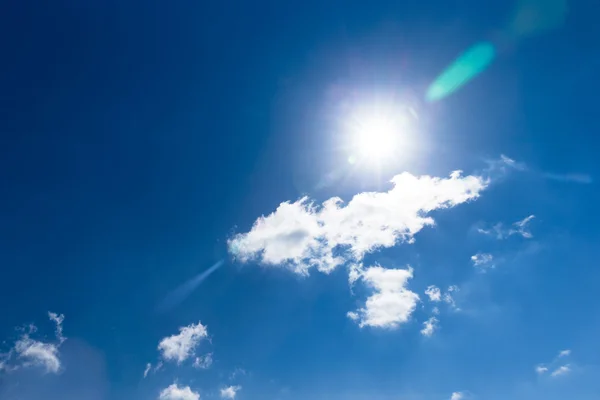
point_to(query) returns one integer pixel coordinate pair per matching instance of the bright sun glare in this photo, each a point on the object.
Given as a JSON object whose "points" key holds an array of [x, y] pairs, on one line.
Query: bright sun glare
{"points": [[378, 136]]}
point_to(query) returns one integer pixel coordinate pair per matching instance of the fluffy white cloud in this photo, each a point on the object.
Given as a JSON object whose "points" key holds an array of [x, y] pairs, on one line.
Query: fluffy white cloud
{"points": [[182, 346], [302, 235], [36, 353], [482, 260], [203, 362], [518, 228], [562, 370], [457, 396], [434, 293], [230, 392], [176, 392], [392, 303], [429, 326]]}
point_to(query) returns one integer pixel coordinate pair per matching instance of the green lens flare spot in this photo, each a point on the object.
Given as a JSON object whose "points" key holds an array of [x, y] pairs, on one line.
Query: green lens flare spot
{"points": [[466, 67]]}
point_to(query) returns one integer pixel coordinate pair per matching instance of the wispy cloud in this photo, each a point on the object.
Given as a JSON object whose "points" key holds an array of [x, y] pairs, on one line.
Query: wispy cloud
{"points": [[520, 228], [569, 178], [504, 164], [230, 392], [182, 346], [203, 362], [147, 370], [564, 353], [562, 370], [58, 319], [483, 261], [176, 392]]}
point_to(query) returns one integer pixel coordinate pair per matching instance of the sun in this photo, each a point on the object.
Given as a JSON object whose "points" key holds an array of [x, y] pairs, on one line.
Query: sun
{"points": [[378, 136]]}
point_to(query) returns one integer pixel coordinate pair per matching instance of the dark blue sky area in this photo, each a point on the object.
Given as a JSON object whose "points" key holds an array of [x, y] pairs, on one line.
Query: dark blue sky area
{"points": [[136, 137]]}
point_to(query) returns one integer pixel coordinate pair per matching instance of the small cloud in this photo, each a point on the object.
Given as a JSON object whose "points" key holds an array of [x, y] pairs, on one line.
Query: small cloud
{"points": [[392, 303], [540, 369], [36, 353], [560, 371], [182, 346], [230, 392], [176, 392], [449, 299], [434, 293], [148, 367], [483, 260], [457, 396], [564, 353], [203, 362], [58, 320], [429, 327]]}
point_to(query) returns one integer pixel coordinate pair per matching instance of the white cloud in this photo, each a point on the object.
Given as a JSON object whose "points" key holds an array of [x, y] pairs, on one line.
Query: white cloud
{"points": [[518, 228], [301, 235], [148, 367], [435, 310], [557, 369], [58, 320], [434, 293], [564, 353], [449, 299], [180, 347], [203, 362], [392, 303], [230, 392], [457, 396], [482, 260], [36, 353], [562, 370], [429, 327], [176, 392], [540, 369]]}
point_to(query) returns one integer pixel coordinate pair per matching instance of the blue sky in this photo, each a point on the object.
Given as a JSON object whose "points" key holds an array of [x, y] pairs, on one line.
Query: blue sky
{"points": [[261, 201]]}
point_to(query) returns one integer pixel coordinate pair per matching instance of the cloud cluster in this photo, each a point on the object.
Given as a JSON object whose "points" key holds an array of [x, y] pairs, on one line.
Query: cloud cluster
{"points": [[181, 346], [302, 235], [557, 367]]}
